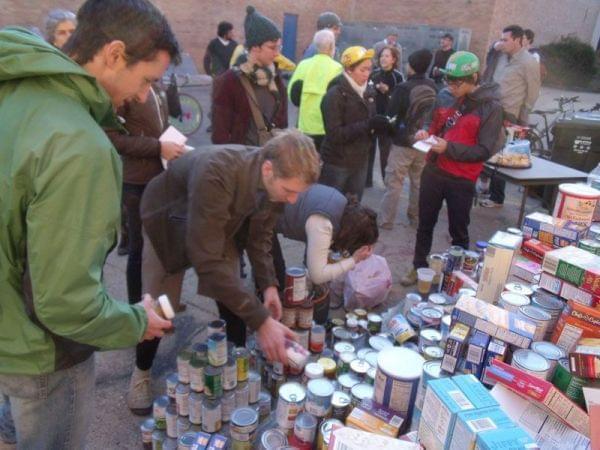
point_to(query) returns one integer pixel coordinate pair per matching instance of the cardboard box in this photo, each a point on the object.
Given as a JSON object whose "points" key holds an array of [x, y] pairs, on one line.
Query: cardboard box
{"points": [[575, 266], [526, 269], [470, 423], [568, 291], [535, 250], [374, 418], [548, 431], [543, 393], [592, 402], [457, 281], [202, 440], [585, 361], [506, 438], [494, 321], [475, 357], [218, 442], [345, 438], [496, 265], [455, 347], [497, 349], [551, 230], [575, 322]]}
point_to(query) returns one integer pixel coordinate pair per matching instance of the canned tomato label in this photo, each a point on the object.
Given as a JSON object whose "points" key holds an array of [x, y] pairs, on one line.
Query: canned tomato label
{"points": [[182, 395], [195, 407], [295, 285], [227, 405], [470, 261], [211, 416], [183, 366], [242, 359], [305, 315], [318, 397], [317, 339], [230, 375], [289, 404], [253, 387], [197, 375], [213, 381], [217, 349], [159, 411]]}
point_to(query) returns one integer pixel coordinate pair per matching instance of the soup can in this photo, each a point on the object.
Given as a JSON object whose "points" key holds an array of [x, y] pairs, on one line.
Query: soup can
{"points": [[311, 371], [183, 426], [172, 381], [431, 317], [360, 392], [571, 385], [289, 315], [244, 422], [303, 337], [211, 416], [344, 361], [290, 403], [158, 438], [264, 404], [159, 411], [216, 326], [347, 381], [552, 352], [197, 374], [329, 367], [340, 404], [295, 291], [531, 362], [146, 429], [429, 337], [433, 353], [343, 347], [305, 427], [379, 342], [512, 301], [230, 374], [195, 407], [432, 370], [171, 420], [317, 339], [539, 317], [213, 381], [227, 405], [318, 397], [242, 360], [273, 439], [242, 395], [217, 349], [305, 315], [200, 352], [254, 385], [359, 368], [183, 366], [470, 261], [182, 395], [401, 329]]}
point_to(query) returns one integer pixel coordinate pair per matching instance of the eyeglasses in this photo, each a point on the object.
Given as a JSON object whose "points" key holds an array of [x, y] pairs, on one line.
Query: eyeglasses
{"points": [[273, 47], [453, 82]]}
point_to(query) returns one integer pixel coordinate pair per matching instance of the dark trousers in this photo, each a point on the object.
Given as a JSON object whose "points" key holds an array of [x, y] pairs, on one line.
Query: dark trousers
{"points": [[384, 143], [497, 187], [278, 261], [318, 140], [132, 196], [346, 180], [437, 186]]}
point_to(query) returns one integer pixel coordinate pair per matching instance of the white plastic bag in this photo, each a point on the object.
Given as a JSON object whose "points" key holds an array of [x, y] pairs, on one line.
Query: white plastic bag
{"points": [[368, 284]]}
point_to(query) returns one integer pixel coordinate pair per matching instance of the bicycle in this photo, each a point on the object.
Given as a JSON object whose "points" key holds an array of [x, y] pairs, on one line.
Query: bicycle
{"points": [[192, 113], [536, 137]]}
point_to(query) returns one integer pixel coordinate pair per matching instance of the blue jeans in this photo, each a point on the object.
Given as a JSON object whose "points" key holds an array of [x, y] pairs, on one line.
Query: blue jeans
{"points": [[49, 412], [346, 180]]}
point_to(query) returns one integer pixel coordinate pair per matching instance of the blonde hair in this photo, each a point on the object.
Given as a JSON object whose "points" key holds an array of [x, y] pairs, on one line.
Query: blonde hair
{"points": [[293, 154]]}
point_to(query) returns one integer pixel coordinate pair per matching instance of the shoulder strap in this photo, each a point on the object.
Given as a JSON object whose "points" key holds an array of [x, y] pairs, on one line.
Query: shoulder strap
{"points": [[258, 117]]}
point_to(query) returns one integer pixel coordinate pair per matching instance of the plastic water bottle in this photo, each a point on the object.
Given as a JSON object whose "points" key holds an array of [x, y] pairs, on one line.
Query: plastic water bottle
{"points": [[594, 181]]}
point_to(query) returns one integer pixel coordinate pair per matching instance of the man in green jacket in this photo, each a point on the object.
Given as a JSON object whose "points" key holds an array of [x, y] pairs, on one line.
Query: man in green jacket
{"points": [[60, 187], [309, 84]]}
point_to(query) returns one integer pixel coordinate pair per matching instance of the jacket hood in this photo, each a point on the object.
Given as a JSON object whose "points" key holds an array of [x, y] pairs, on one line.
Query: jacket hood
{"points": [[23, 54]]}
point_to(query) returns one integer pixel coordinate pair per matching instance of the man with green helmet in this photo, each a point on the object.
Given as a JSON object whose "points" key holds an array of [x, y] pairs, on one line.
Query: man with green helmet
{"points": [[467, 127]]}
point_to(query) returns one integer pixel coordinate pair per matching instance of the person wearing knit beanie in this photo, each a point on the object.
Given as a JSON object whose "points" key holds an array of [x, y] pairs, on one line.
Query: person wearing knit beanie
{"points": [[419, 60], [259, 29]]}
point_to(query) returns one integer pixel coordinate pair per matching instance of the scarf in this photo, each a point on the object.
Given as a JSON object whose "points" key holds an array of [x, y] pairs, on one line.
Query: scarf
{"points": [[261, 76], [360, 90]]}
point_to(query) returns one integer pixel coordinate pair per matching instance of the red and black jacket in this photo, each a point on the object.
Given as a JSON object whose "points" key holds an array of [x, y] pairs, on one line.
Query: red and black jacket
{"points": [[472, 125]]}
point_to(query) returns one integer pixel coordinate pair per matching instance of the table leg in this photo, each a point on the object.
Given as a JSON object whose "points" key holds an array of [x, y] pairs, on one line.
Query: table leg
{"points": [[523, 201]]}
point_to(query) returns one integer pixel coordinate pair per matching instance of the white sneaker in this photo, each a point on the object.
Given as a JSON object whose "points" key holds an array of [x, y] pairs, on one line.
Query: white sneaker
{"points": [[490, 204], [139, 395]]}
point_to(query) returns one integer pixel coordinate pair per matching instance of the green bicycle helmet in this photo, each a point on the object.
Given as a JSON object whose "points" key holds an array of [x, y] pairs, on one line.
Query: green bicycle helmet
{"points": [[461, 64]]}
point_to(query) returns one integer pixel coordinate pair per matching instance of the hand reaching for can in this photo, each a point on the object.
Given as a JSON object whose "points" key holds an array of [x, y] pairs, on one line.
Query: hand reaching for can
{"points": [[271, 336], [156, 325]]}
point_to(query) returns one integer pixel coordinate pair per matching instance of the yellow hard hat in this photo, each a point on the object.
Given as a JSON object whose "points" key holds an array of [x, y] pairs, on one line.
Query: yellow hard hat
{"points": [[355, 54]]}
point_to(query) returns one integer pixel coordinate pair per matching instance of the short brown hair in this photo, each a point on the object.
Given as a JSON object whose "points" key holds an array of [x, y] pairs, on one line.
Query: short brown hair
{"points": [[293, 154], [395, 53], [358, 227]]}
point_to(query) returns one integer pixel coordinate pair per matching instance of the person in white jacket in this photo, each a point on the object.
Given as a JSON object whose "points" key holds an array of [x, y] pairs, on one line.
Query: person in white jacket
{"points": [[326, 220]]}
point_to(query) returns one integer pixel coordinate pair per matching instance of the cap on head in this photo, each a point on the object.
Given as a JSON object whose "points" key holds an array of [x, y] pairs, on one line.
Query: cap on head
{"points": [[328, 19], [259, 29], [356, 54], [461, 64]]}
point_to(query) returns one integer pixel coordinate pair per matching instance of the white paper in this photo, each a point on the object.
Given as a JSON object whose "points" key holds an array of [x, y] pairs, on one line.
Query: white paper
{"points": [[172, 134], [425, 144]]}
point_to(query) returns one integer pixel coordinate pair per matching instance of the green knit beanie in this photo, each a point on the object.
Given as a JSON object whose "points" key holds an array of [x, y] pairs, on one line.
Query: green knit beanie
{"points": [[259, 29]]}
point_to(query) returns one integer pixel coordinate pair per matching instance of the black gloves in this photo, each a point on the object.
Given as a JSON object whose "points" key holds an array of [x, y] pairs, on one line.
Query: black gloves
{"points": [[379, 124]]}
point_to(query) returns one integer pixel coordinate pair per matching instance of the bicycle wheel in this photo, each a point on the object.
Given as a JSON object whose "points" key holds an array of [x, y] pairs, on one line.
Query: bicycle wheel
{"points": [[191, 117], [537, 146]]}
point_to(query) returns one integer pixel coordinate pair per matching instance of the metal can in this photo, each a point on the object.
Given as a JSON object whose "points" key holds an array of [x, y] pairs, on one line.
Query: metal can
{"points": [[211, 416], [273, 439], [295, 291], [360, 392], [437, 263], [200, 352], [159, 411], [146, 429], [397, 379], [412, 299], [217, 349], [183, 366], [512, 301], [182, 396], [305, 427], [230, 374], [227, 405], [359, 368], [590, 245], [371, 358], [342, 347], [312, 371], [297, 357], [360, 313], [289, 315], [552, 352], [158, 437], [325, 432], [374, 322], [340, 402], [303, 338], [519, 288], [305, 315], [242, 360], [433, 352], [571, 385], [216, 326], [401, 329], [432, 370], [371, 374], [253, 387], [318, 397], [195, 407], [429, 337], [171, 420], [329, 367], [550, 303], [244, 422], [340, 334], [242, 395], [276, 382], [183, 426], [197, 374], [454, 259], [317, 339], [531, 362], [264, 404], [379, 342], [347, 381], [344, 361], [213, 381], [539, 317], [186, 441], [172, 381], [170, 444], [431, 317], [289, 404], [470, 261]]}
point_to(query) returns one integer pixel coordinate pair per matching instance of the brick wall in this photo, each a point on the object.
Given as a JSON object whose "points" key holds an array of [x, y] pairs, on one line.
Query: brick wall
{"points": [[195, 21]]}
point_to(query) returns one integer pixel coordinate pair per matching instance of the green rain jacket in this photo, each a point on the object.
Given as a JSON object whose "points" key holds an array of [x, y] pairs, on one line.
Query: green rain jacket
{"points": [[315, 73], [60, 188]]}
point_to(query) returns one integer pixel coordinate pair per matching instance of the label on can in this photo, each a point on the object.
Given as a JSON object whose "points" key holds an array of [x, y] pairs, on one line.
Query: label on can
{"points": [[213, 382], [182, 395], [401, 329], [196, 377], [227, 406], [217, 349], [230, 375], [317, 339], [183, 366], [288, 316], [295, 285], [211, 416], [172, 381], [242, 395], [195, 407], [242, 358], [305, 316], [253, 387]]}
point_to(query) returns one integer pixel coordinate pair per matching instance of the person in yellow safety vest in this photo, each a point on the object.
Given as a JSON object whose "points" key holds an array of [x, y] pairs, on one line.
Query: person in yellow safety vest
{"points": [[309, 82]]}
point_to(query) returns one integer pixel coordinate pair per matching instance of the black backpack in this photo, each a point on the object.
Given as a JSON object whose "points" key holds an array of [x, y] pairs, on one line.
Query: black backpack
{"points": [[421, 101]]}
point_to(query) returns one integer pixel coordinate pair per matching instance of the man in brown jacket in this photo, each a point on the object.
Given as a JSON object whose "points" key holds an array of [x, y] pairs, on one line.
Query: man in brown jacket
{"points": [[191, 214]]}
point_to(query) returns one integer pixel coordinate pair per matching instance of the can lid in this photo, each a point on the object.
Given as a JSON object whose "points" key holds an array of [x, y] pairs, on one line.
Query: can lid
{"points": [[347, 380], [530, 360], [433, 369], [292, 392], [347, 357], [162, 401], [296, 272], [401, 363], [437, 299], [343, 347], [273, 438], [372, 317], [342, 334], [253, 376], [379, 342], [243, 417], [305, 420], [433, 352], [340, 399], [327, 363], [548, 301], [362, 391], [321, 387], [514, 299], [173, 378], [316, 328], [359, 366], [362, 353], [431, 334], [519, 288], [327, 427], [481, 245], [314, 370], [431, 313], [579, 190], [535, 313], [548, 350]]}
